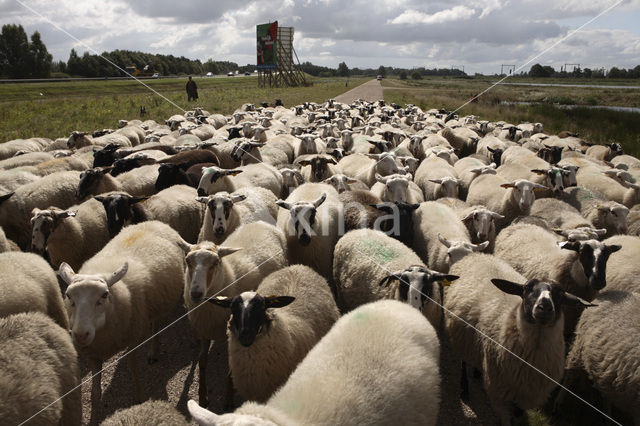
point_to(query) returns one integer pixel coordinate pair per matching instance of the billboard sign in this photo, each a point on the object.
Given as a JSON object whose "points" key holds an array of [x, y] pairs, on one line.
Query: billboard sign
{"points": [[267, 35]]}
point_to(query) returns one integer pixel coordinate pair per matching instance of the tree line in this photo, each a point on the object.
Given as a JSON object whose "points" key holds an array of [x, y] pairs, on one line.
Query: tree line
{"points": [[21, 58], [538, 70]]}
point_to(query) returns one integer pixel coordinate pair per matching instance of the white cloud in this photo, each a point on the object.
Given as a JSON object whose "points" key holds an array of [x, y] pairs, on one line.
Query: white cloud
{"points": [[456, 13]]}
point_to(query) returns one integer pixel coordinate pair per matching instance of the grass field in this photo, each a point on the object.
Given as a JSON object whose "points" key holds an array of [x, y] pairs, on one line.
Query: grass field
{"points": [[56, 109], [594, 125]]}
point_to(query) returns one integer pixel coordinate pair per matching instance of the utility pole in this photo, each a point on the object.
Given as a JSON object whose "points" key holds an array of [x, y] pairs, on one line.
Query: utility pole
{"points": [[511, 68]]}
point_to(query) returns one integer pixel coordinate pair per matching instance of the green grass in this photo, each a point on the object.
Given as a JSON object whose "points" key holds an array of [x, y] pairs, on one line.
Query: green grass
{"points": [[56, 109], [594, 125]]}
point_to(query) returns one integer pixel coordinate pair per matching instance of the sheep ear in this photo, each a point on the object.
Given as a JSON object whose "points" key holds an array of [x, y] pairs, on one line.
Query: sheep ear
{"points": [[304, 162], [202, 416], [6, 196], [386, 280], [539, 171], [202, 199], [332, 160], [380, 178], [134, 200], [66, 273], [443, 240], [233, 172], [225, 251], [446, 277], [468, 217], [438, 181], [507, 185], [613, 248], [570, 299], [569, 245], [508, 287], [283, 204], [480, 247], [222, 301], [238, 197], [117, 275], [185, 246], [600, 232], [320, 200], [278, 301]]}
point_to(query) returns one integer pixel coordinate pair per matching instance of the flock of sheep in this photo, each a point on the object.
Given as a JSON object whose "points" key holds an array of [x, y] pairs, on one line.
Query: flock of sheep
{"points": [[281, 231]]}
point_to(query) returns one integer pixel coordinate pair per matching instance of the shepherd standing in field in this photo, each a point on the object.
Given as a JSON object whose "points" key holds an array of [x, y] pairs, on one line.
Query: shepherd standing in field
{"points": [[192, 90]]}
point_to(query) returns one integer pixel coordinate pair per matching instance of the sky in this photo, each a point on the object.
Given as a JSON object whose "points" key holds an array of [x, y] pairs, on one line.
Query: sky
{"points": [[478, 34]]}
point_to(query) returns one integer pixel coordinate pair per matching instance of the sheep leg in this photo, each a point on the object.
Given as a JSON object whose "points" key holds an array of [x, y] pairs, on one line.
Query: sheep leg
{"points": [[133, 369], [96, 389], [228, 394], [464, 383], [154, 347], [202, 391]]}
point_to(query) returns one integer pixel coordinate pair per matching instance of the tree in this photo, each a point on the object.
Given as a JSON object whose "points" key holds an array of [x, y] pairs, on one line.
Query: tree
{"points": [[538, 70], [416, 75], [73, 64], [41, 59], [14, 52], [403, 75], [382, 71], [343, 70]]}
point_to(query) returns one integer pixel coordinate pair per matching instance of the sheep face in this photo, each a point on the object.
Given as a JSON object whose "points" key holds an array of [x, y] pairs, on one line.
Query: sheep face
{"points": [[43, 222], [496, 155], [203, 267], [570, 177], [416, 285], [249, 315], [77, 140], [106, 156], [117, 207], [302, 218], [220, 206], [541, 301], [210, 175], [246, 148], [340, 182], [398, 220], [615, 217], [482, 222], [319, 168], [522, 193], [396, 186], [448, 187], [582, 233], [593, 256], [87, 300], [555, 178], [89, 180], [415, 146], [456, 250]]}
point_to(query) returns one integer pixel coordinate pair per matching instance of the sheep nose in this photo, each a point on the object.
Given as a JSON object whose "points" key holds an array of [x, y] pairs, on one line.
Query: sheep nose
{"points": [[196, 295], [201, 192], [81, 338], [482, 237]]}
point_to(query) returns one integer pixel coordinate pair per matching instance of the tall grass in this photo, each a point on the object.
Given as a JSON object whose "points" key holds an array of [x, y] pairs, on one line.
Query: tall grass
{"points": [[56, 109]]}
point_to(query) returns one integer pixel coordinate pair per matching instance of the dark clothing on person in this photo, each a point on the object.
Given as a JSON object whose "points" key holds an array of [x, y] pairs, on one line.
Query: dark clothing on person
{"points": [[192, 90]]}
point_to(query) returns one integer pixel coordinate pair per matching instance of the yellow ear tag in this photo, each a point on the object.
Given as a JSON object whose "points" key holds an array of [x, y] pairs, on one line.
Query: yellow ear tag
{"points": [[446, 283]]}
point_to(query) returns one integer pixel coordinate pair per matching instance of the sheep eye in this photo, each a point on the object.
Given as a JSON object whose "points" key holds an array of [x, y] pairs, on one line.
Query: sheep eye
{"points": [[105, 295]]}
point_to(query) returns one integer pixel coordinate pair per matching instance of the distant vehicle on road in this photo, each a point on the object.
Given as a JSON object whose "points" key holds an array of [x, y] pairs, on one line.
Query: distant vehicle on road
{"points": [[146, 71], [155, 75], [379, 77], [230, 74], [209, 74], [247, 73]]}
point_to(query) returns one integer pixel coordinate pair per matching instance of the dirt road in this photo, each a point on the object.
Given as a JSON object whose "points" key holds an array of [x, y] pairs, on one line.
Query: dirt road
{"points": [[370, 91]]}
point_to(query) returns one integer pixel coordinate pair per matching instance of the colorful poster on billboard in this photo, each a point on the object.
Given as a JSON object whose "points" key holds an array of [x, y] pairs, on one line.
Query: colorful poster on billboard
{"points": [[267, 34]]}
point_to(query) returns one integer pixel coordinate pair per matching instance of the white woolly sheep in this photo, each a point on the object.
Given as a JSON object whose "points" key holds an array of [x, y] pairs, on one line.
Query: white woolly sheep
{"points": [[27, 159], [10, 148], [594, 207], [462, 139], [633, 221], [437, 178], [139, 181], [620, 191], [365, 259], [559, 214], [397, 355], [491, 148], [6, 244], [468, 169], [118, 296], [317, 167], [604, 152], [487, 190], [214, 179], [226, 212], [214, 271], [344, 183], [397, 188], [623, 268], [150, 412], [39, 372], [274, 327], [72, 236], [606, 349], [527, 318], [57, 189], [364, 168], [29, 285]]}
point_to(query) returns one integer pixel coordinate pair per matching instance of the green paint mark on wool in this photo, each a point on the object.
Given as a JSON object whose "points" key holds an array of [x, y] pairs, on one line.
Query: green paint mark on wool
{"points": [[379, 251]]}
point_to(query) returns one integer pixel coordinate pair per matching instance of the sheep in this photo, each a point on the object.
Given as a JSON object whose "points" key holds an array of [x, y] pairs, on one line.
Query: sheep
{"points": [[265, 346], [118, 296], [10, 180], [180, 174], [397, 356], [363, 168], [633, 221], [225, 212], [215, 179], [344, 183], [312, 231], [628, 160], [57, 189], [73, 235], [468, 169], [82, 139], [6, 244], [150, 412], [365, 259], [192, 157], [491, 148], [397, 188], [515, 201], [214, 271], [481, 224], [291, 179], [559, 214], [29, 285], [462, 139], [594, 207], [623, 270], [139, 182], [620, 191], [490, 297], [251, 152], [127, 164], [433, 221], [11, 148], [176, 206], [317, 168], [27, 159], [39, 372], [437, 178], [604, 152], [78, 161]]}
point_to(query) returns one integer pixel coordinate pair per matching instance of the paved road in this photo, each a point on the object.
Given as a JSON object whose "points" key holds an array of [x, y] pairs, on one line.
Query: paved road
{"points": [[370, 91]]}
